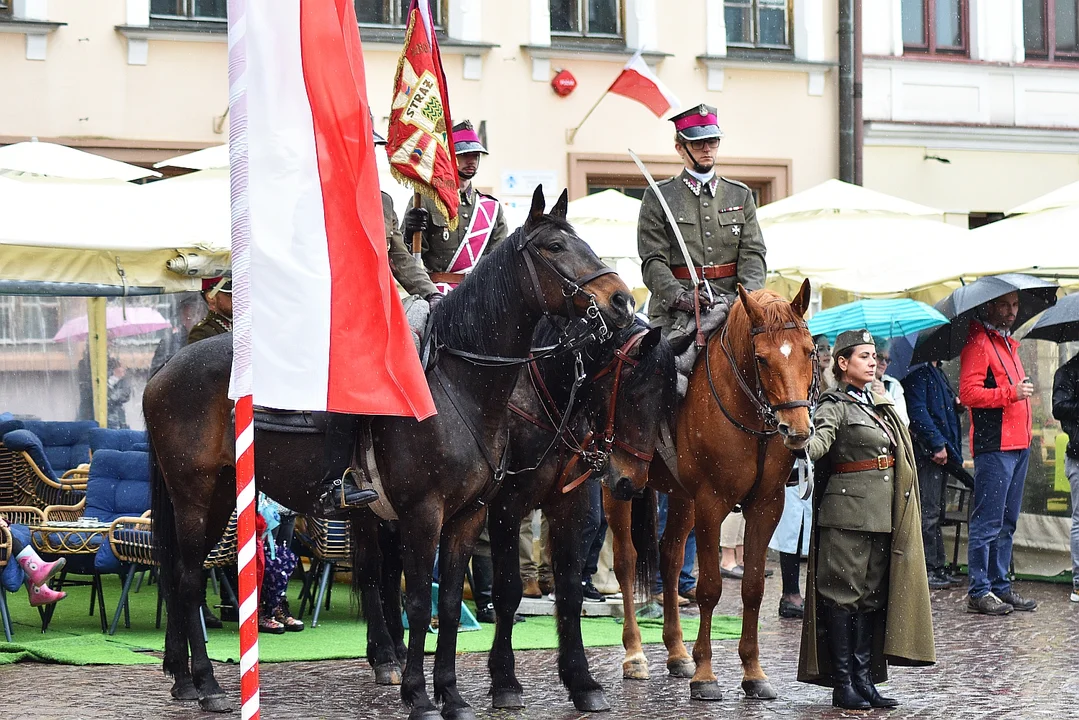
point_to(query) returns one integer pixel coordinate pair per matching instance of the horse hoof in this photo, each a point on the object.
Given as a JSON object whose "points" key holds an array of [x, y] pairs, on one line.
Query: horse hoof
{"points": [[507, 700], [591, 701], [388, 674], [185, 690], [462, 713], [418, 714], [705, 690], [682, 668], [759, 690], [216, 703], [635, 669]]}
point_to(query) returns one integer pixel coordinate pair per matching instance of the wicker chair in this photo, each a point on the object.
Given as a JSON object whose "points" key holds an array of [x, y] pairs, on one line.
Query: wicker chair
{"points": [[131, 540], [329, 545], [24, 482], [5, 556]]}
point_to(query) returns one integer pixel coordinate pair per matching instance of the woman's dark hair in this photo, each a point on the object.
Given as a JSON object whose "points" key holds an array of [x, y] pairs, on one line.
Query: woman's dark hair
{"points": [[836, 372]]}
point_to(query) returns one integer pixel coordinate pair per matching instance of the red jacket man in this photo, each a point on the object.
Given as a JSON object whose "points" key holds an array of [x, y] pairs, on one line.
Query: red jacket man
{"points": [[989, 384]]}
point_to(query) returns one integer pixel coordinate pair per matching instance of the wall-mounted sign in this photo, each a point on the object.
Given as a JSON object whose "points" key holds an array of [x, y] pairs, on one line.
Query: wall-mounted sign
{"points": [[523, 183], [563, 83]]}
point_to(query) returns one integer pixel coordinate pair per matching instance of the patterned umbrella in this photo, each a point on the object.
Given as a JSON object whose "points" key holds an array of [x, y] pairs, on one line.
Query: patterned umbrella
{"points": [[883, 318], [136, 321]]}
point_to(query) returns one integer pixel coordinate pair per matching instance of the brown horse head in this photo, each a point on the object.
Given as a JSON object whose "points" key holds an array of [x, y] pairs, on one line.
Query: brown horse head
{"points": [[767, 330], [567, 262]]}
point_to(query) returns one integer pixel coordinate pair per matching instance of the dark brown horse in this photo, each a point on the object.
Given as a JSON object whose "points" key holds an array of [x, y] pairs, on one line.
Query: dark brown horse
{"points": [[746, 409], [629, 392], [436, 474]]}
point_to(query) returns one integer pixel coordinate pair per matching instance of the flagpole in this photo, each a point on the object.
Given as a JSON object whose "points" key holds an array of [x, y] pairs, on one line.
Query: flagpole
{"points": [[572, 132], [417, 237]]}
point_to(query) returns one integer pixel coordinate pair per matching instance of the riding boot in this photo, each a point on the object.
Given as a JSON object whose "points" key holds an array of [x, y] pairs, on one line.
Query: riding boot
{"points": [[339, 489], [483, 576], [862, 672], [838, 624]]}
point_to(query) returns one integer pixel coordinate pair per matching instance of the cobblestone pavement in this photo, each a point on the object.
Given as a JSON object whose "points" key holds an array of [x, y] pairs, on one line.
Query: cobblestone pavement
{"points": [[1020, 666]]}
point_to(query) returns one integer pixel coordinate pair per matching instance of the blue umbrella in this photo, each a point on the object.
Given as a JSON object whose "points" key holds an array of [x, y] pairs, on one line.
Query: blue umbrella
{"points": [[883, 318]]}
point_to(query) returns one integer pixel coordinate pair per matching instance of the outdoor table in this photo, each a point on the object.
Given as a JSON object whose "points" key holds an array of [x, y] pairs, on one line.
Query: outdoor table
{"points": [[71, 538]]}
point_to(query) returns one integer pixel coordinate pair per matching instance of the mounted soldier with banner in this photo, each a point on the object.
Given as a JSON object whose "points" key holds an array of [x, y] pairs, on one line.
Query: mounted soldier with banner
{"points": [[449, 252]]}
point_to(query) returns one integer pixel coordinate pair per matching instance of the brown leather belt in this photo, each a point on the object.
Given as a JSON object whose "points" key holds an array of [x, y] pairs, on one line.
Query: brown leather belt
{"points": [[711, 272], [880, 462], [450, 278]]}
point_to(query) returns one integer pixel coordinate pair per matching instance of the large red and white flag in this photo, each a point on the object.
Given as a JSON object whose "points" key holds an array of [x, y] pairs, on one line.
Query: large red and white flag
{"points": [[638, 82], [326, 329]]}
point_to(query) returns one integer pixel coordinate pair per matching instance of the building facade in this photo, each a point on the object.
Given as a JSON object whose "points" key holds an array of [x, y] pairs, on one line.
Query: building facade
{"points": [[971, 105]]}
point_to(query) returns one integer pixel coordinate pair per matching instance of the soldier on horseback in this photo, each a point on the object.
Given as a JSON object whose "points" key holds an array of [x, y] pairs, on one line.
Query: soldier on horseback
{"points": [[448, 254], [717, 218]]}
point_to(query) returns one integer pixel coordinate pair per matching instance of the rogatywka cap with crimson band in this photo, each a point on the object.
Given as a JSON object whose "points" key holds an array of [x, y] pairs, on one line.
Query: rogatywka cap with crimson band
{"points": [[466, 139], [698, 123]]}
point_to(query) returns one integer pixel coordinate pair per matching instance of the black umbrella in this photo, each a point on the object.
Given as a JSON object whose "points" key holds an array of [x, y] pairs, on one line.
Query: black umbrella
{"points": [[1059, 323], [947, 341]]}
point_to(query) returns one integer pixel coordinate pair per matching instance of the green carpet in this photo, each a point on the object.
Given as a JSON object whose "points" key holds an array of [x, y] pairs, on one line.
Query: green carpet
{"points": [[75, 638]]}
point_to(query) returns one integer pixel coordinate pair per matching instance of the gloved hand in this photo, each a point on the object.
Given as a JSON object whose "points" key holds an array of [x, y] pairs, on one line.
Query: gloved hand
{"points": [[416, 220], [684, 302], [434, 299]]}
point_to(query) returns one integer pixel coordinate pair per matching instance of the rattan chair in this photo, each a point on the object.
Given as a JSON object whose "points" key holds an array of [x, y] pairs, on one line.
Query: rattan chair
{"points": [[5, 556], [329, 545], [23, 482]]}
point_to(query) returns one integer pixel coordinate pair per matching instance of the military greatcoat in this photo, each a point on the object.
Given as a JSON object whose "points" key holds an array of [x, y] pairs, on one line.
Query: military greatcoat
{"points": [[212, 324], [406, 269], [854, 506], [440, 243], [718, 221]]}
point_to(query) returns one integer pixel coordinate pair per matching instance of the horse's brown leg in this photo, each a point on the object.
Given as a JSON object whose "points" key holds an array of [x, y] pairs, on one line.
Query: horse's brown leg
{"points": [[761, 520], [619, 519], [708, 518], [672, 555]]}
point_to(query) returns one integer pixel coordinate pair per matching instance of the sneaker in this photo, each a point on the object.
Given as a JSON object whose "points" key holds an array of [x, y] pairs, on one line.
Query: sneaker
{"points": [[938, 581], [787, 609], [591, 594], [1017, 601], [988, 604]]}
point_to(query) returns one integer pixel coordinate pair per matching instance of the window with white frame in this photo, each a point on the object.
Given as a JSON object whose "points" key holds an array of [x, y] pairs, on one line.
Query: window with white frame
{"points": [[213, 10], [599, 19], [758, 23], [394, 13], [1051, 30]]}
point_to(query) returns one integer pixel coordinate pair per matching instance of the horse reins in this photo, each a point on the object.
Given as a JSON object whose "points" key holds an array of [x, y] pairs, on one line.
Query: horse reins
{"points": [[593, 452]]}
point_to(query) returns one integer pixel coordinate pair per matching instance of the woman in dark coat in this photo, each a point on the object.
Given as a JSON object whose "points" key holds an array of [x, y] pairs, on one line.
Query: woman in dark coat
{"points": [[867, 603]]}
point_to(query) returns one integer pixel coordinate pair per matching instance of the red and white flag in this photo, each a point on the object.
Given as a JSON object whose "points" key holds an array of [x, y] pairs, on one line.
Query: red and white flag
{"points": [[326, 329], [638, 82]]}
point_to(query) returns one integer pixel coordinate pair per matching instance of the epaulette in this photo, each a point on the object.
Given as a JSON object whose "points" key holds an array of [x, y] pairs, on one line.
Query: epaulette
{"points": [[736, 183], [661, 183]]}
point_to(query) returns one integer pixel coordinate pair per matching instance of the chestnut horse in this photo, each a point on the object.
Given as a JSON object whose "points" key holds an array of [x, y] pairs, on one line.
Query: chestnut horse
{"points": [[746, 411]]}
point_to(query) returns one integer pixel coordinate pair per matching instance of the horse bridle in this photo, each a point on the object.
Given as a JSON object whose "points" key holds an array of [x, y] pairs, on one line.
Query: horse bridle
{"points": [[766, 410], [592, 325], [592, 452]]}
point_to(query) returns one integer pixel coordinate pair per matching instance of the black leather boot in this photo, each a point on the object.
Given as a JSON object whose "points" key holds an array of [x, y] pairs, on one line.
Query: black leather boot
{"points": [[862, 671], [483, 576], [339, 489], [839, 626]]}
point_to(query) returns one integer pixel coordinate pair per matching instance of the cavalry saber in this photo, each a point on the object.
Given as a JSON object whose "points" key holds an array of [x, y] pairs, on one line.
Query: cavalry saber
{"points": [[670, 218]]}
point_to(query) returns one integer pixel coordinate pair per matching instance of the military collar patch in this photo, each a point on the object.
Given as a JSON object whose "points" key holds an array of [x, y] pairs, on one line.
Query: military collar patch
{"points": [[695, 185]]}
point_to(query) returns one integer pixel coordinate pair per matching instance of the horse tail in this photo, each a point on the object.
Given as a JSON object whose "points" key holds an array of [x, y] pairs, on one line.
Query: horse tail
{"points": [[645, 542], [165, 540]]}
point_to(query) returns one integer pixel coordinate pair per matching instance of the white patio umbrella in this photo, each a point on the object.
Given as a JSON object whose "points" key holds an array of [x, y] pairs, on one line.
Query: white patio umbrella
{"points": [[607, 221], [60, 161], [835, 197], [210, 158], [1061, 197]]}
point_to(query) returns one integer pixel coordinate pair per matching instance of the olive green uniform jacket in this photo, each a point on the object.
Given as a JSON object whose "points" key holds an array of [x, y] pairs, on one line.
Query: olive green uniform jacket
{"points": [[905, 634], [718, 221], [440, 243], [212, 324], [406, 269]]}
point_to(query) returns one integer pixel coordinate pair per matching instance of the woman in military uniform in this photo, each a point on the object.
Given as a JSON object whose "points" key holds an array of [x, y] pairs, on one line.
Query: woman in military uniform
{"points": [[867, 603]]}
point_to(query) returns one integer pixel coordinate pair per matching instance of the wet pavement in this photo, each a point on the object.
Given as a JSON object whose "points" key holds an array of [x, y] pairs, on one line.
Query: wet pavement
{"points": [[1020, 666]]}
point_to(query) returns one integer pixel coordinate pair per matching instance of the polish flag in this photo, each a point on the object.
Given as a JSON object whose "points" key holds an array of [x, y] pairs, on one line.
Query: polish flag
{"points": [[318, 322], [638, 82]]}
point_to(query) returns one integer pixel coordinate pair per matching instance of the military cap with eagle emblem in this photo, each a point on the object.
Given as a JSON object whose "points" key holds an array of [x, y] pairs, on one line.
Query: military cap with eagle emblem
{"points": [[466, 140], [851, 338], [698, 123]]}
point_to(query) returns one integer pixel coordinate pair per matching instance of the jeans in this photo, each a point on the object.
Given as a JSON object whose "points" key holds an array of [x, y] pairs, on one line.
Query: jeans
{"points": [[933, 483], [998, 494], [595, 529], [1071, 469], [686, 581]]}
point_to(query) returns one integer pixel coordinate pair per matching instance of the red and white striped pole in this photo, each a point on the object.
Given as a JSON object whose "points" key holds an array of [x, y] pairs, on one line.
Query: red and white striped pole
{"points": [[241, 386]]}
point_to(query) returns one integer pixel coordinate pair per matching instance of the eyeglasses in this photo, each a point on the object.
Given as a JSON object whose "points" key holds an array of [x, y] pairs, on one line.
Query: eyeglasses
{"points": [[884, 359], [711, 143]]}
